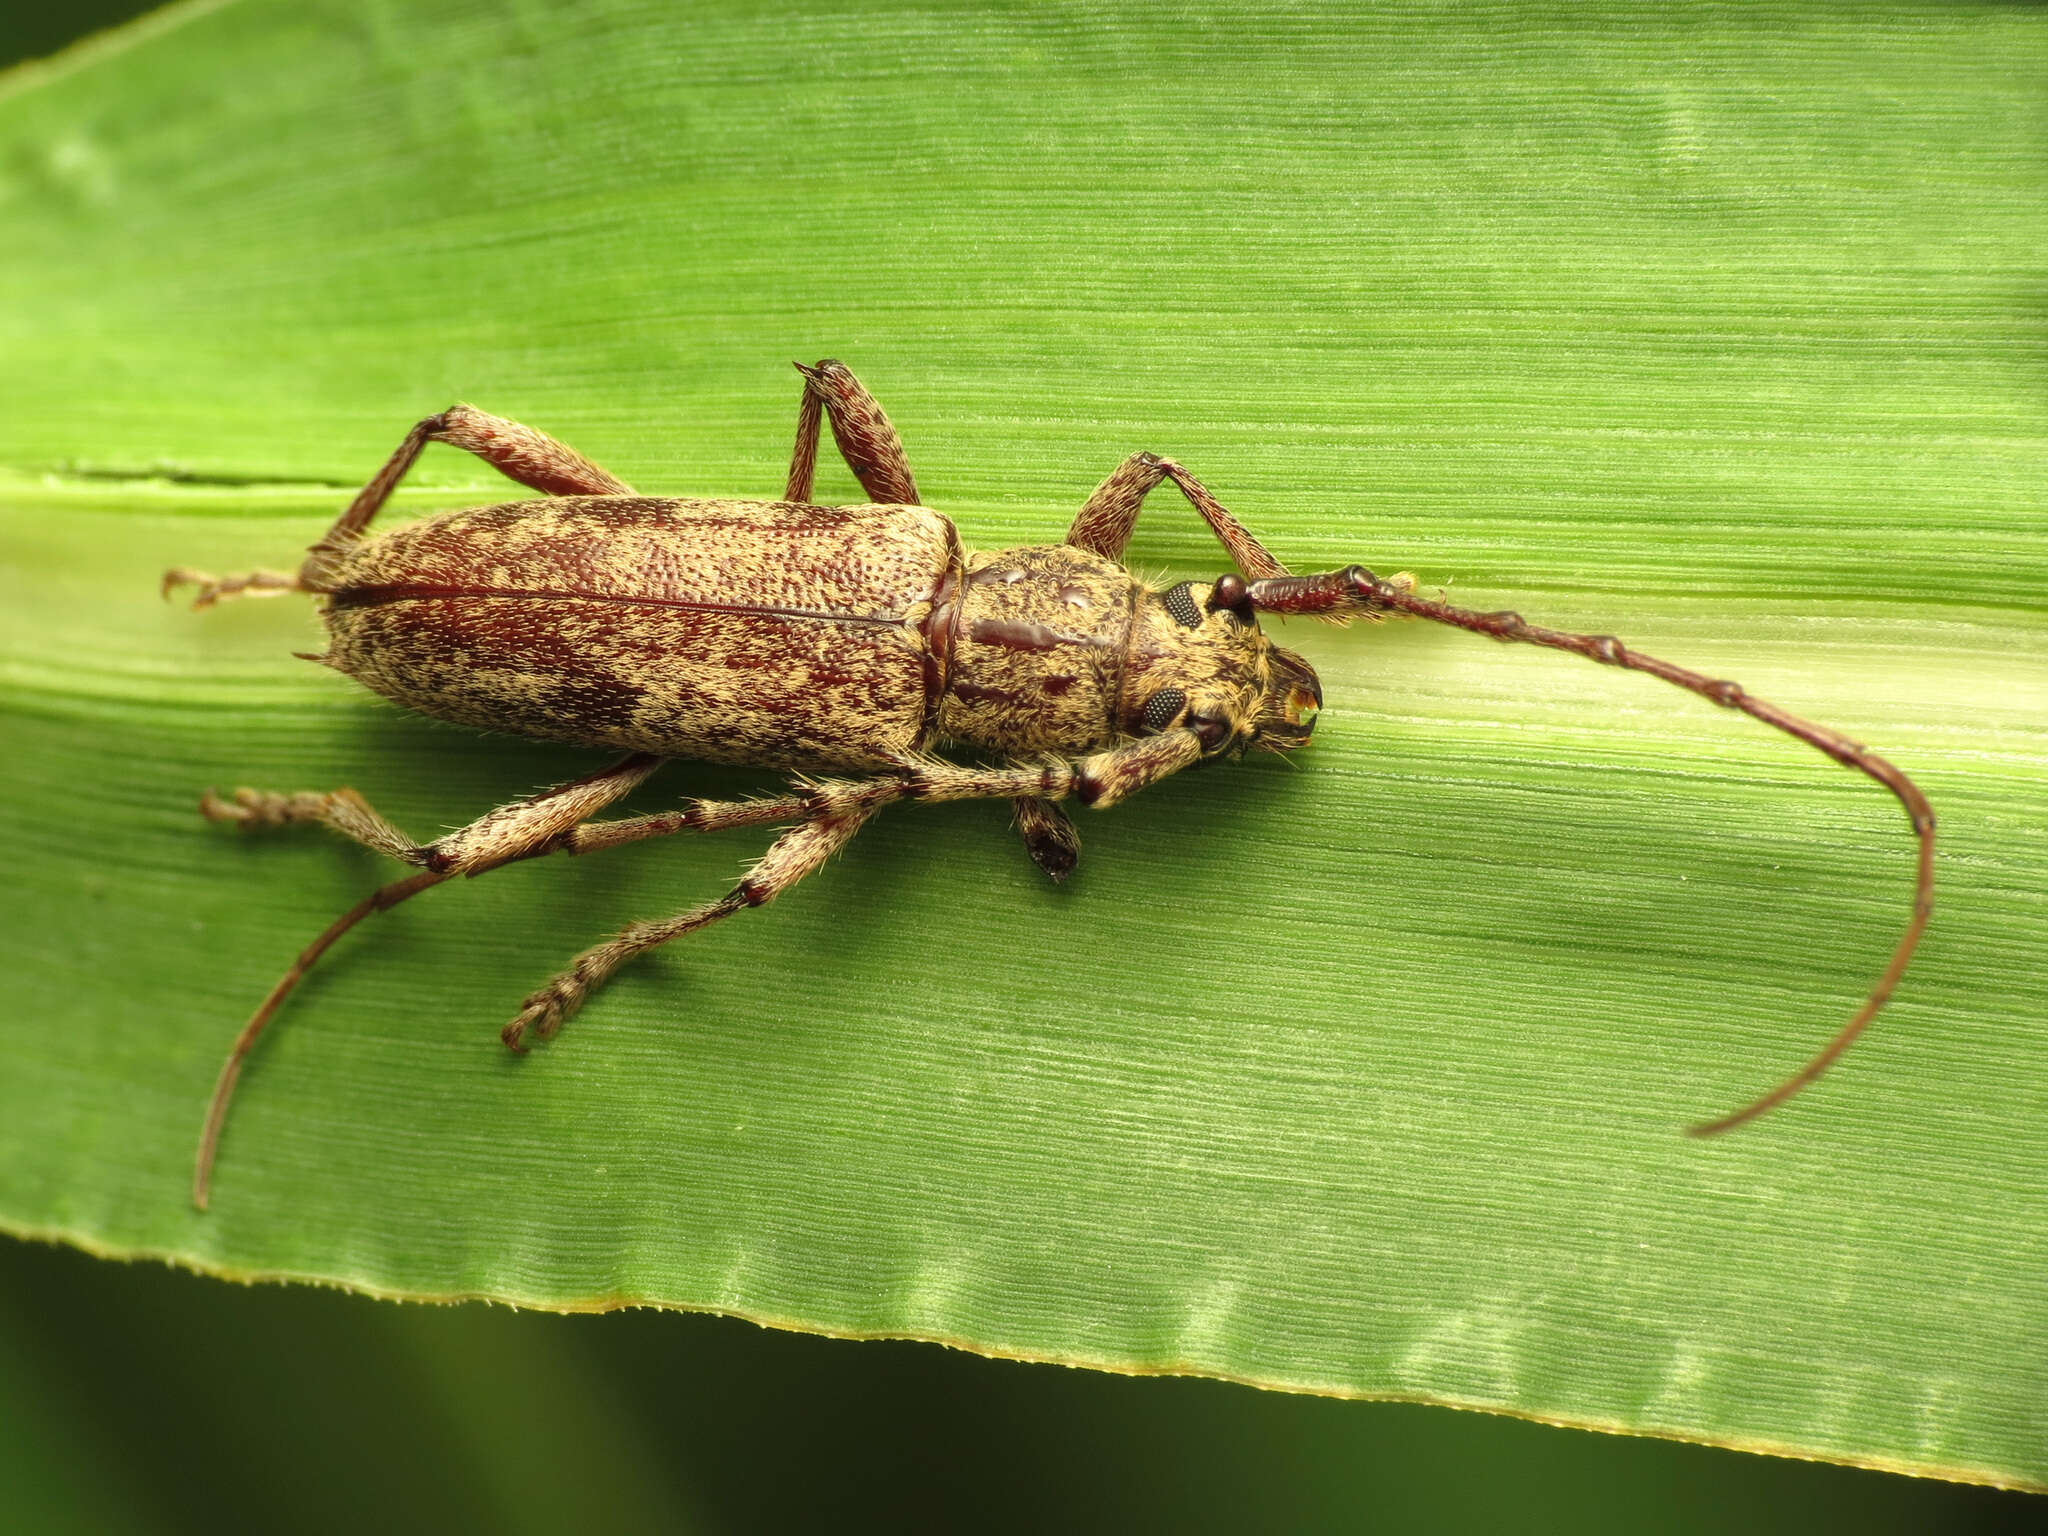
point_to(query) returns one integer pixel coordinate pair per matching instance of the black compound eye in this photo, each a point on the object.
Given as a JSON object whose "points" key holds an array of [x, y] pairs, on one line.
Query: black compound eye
{"points": [[1180, 602], [1163, 708]]}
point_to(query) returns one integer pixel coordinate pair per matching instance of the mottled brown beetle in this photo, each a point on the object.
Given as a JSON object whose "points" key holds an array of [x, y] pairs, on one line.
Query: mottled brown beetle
{"points": [[847, 639]]}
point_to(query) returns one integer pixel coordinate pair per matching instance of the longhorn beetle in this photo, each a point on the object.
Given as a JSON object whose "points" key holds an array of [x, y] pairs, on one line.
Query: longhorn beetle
{"points": [[848, 640]]}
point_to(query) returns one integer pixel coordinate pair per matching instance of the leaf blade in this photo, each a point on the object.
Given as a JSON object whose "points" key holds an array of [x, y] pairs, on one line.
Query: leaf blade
{"points": [[1362, 1078]]}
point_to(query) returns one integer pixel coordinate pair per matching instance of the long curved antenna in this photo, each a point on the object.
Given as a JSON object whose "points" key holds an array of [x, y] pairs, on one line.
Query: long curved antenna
{"points": [[1354, 590], [224, 1087]]}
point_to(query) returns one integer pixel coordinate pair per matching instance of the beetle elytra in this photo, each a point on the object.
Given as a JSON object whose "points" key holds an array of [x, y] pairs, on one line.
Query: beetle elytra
{"points": [[848, 641]]}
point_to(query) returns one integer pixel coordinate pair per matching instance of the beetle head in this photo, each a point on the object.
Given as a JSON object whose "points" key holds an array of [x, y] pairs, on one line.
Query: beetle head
{"points": [[1199, 660]]}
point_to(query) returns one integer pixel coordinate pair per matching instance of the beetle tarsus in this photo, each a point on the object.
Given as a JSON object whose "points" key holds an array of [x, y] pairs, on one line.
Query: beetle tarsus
{"points": [[217, 589], [263, 808], [542, 1017], [1049, 836]]}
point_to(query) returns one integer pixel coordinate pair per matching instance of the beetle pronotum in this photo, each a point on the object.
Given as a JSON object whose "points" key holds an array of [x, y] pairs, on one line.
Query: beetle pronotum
{"points": [[848, 640]]}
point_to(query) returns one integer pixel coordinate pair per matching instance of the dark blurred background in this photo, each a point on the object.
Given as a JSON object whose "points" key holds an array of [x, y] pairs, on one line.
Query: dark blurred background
{"points": [[35, 31], [138, 1398], [134, 1397]]}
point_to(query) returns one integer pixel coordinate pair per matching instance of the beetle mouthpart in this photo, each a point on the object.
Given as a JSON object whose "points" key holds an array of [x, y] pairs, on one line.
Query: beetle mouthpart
{"points": [[1294, 697]]}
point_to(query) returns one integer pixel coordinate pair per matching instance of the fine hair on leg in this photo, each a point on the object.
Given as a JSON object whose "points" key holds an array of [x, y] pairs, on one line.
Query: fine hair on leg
{"points": [[523, 454], [1105, 524], [800, 851], [867, 439]]}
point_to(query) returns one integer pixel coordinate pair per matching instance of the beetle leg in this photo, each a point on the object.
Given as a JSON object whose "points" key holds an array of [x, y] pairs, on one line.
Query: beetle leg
{"points": [[800, 851], [1107, 777], [1048, 831], [521, 453], [525, 827], [1049, 836], [214, 589], [513, 831], [834, 810], [1098, 781], [690, 816], [867, 438], [1104, 525], [342, 809], [803, 458]]}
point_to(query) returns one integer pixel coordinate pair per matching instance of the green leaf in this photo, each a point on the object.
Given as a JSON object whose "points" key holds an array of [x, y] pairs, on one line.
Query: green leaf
{"points": [[1718, 329]]}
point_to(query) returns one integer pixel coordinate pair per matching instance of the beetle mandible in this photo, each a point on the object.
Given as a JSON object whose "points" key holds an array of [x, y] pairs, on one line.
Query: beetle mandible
{"points": [[846, 640]]}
